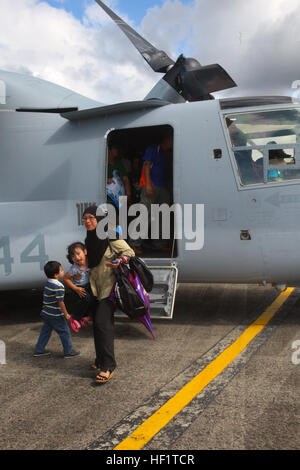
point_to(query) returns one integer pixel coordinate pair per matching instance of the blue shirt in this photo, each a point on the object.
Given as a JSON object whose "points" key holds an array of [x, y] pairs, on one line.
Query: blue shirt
{"points": [[84, 273], [54, 292], [275, 174], [160, 161]]}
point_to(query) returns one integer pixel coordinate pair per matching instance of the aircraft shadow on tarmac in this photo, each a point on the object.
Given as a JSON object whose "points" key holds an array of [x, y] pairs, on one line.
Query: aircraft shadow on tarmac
{"points": [[195, 304]]}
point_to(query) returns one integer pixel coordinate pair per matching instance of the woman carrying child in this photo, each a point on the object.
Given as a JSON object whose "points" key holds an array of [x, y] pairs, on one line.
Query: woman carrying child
{"points": [[102, 278]]}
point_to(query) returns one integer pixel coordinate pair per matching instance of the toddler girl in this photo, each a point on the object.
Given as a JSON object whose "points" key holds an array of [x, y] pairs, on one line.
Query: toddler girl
{"points": [[77, 279]]}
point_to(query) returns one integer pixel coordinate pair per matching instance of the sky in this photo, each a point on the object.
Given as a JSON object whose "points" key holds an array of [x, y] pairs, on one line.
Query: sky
{"points": [[136, 10], [73, 43]]}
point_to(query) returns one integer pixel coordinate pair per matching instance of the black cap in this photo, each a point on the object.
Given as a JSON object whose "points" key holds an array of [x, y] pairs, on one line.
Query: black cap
{"points": [[91, 210], [102, 212], [277, 153]]}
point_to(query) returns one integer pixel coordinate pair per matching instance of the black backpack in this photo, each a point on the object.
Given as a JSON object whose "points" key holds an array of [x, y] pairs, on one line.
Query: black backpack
{"points": [[127, 297], [146, 277]]}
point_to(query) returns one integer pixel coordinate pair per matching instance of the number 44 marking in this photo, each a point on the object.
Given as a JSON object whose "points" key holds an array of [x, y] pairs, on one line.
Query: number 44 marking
{"points": [[25, 257]]}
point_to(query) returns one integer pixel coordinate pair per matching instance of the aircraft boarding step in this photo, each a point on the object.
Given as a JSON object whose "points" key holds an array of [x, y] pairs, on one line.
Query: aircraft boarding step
{"points": [[162, 296]]}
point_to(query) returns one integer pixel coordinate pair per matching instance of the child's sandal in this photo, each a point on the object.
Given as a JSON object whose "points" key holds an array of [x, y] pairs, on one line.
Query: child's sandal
{"points": [[84, 321], [75, 325]]}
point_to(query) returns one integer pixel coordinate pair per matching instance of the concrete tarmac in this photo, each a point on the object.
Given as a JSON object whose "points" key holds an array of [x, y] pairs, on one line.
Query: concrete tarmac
{"points": [[52, 403]]}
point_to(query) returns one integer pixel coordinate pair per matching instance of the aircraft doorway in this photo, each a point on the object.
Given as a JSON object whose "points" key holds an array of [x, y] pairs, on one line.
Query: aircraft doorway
{"points": [[129, 151]]}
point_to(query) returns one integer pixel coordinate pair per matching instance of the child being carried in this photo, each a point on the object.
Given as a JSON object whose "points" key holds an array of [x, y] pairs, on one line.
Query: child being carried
{"points": [[77, 279]]}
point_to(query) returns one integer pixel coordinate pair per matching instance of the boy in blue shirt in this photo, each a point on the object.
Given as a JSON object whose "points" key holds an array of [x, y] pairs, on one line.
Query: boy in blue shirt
{"points": [[54, 313]]}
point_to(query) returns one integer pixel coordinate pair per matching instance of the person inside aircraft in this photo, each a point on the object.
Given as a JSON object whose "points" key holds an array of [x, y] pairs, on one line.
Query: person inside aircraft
{"points": [[102, 279], [280, 157], [126, 162], [250, 171], [118, 183], [135, 176], [276, 157], [155, 181]]}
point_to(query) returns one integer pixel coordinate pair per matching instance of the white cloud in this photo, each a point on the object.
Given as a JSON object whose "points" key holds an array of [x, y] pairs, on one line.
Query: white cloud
{"points": [[256, 42], [96, 61], [252, 40]]}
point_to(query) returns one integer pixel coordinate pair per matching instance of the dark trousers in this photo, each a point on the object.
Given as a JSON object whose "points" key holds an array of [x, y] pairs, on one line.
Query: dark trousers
{"points": [[103, 320], [80, 307]]}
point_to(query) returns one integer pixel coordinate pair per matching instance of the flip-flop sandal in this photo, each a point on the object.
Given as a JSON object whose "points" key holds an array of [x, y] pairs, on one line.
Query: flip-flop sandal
{"points": [[104, 379], [95, 367]]}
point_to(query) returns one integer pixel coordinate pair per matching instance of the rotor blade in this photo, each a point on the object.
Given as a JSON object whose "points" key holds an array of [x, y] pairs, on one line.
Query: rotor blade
{"points": [[159, 61]]}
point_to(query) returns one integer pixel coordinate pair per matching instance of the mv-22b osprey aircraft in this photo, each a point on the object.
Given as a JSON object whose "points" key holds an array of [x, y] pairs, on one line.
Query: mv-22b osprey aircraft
{"points": [[238, 158]]}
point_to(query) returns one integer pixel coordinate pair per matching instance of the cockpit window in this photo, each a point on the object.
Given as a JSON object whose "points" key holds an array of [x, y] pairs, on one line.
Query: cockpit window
{"points": [[264, 145]]}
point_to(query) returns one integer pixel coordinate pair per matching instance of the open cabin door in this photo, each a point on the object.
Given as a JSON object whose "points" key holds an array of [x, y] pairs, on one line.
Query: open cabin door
{"points": [[162, 296]]}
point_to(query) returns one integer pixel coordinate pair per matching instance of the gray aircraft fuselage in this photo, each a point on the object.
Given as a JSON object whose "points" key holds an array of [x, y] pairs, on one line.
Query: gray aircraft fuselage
{"points": [[52, 165]]}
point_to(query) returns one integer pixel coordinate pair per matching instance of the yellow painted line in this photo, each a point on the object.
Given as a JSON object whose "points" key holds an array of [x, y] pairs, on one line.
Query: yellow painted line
{"points": [[146, 431]]}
